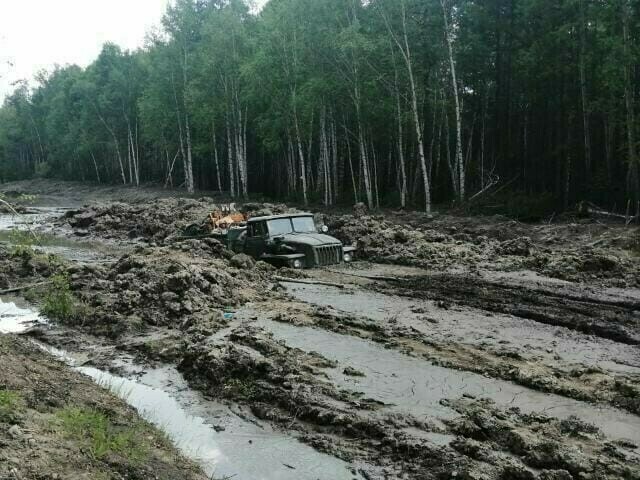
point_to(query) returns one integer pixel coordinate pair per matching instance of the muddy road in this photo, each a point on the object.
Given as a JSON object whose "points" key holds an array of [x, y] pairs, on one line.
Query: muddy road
{"points": [[455, 347]]}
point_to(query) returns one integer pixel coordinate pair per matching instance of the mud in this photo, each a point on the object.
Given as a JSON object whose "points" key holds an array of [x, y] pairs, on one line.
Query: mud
{"points": [[584, 252], [153, 221], [185, 286], [610, 319], [476, 348], [395, 413]]}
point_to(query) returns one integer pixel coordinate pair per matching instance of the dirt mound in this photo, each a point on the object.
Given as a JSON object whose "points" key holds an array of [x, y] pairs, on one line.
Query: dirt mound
{"points": [[381, 241], [463, 243], [185, 284], [21, 266], [153, 220], [265, 209]]}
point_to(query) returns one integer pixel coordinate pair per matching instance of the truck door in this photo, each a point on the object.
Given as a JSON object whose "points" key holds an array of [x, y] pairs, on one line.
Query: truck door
{"points": [[255, 243]]}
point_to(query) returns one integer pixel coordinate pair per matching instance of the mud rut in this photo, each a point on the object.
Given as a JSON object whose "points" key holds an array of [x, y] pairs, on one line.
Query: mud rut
{"points": [[617, 320], [348, 387]]}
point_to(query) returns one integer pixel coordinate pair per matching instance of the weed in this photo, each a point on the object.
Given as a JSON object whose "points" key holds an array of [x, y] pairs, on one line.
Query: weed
{"points": [[10, 403], [22, 243], [240, 387], [102, 436], [58, 300]]}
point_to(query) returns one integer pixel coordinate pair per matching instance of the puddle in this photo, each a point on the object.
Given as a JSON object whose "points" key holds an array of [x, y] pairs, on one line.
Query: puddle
{"points": [[14, 319], [77, 252], [36, 217], [228, 444], [87, 251], [474, 327], [225, 444], [415, 386]]}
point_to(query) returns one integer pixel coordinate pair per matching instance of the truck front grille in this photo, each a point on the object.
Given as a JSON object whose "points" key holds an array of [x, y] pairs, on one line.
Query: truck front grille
{"points": [[328, 255]]}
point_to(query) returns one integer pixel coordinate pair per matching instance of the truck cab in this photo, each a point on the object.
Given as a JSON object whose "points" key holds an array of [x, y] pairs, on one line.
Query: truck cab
{"points": [[291, 240]]}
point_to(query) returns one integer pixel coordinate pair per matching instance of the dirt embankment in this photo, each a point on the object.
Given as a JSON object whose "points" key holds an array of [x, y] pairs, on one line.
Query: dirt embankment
{"points": [[187, 284], [582, 252], [152, 221], [57, 424]]}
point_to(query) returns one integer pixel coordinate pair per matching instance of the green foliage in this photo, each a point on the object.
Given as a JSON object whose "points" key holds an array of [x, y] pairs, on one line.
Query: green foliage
{"points": [[217, 75], [58, 301], [243, 388], [22, 243], [10, 404], [102, 436]]}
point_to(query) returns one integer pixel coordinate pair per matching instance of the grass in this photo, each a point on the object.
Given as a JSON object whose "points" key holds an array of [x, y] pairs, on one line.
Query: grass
{"points": [[102, 437], [10, 403]]}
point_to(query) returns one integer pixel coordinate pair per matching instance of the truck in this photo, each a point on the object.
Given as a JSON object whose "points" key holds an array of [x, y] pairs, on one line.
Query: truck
{"points": [[290, 240]]}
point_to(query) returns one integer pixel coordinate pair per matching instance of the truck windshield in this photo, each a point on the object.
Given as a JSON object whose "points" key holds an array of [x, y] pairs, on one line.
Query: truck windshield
{"points": [[304, 225], [280, 226]]}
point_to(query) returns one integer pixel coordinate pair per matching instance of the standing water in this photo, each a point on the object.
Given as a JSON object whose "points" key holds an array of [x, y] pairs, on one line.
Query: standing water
{"points": [[227, 444]]}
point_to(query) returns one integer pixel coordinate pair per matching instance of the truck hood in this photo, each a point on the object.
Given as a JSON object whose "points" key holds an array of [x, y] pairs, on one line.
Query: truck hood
{"points": [[310, 239]]}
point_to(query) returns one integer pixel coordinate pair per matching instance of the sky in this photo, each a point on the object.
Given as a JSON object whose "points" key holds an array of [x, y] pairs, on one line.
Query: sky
{"points": [[38, 34]]}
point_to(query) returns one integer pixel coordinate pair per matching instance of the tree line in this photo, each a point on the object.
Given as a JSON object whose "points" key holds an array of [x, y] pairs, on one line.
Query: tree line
{"points": [[404, 103]]}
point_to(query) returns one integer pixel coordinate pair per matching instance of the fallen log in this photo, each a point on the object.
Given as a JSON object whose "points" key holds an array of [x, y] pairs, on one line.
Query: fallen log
{"points": [[23, 287], [593, 210], [309, 282]]}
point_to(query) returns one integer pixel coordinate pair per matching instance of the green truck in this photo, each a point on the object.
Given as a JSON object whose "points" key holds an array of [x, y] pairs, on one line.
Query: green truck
{"points": [[291, 240]]}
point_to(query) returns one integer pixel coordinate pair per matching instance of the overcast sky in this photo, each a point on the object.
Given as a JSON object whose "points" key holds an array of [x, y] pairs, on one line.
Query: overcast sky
{"points": [[37, 34]]}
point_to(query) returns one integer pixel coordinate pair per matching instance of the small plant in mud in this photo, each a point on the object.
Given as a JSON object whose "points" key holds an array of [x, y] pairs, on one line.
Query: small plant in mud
{"points": [[102, 436], [10, 403], [22, 243], [58, 300], [240, 387]]}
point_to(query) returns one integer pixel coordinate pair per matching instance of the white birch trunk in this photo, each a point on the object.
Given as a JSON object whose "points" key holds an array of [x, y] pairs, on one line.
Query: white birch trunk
{"points": [[215, 155], [303, 172], [116, 144], [232, 180], [459, 162]]}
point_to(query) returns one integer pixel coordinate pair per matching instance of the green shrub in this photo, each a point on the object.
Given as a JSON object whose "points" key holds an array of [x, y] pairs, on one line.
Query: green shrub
{"points": [[10, 403], [58, 300], [102, 436], [22, 242], [243, 388]]}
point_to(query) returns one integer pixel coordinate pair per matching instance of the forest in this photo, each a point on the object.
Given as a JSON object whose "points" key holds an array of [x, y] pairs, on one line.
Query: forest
{"points": [[394, 103]]}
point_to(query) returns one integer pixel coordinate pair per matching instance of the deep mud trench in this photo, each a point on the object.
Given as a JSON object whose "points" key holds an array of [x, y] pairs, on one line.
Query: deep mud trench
{"points": [[456, 347]]}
